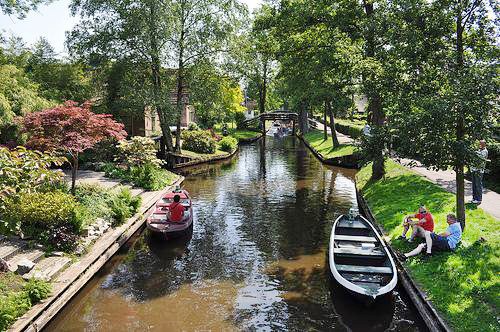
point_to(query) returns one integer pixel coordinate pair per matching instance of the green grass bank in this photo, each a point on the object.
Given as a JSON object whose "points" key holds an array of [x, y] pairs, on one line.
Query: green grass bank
{"points": [[316, 140], [464, 285]]}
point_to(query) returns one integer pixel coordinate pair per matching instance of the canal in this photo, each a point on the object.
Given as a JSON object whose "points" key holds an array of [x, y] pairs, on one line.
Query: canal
{"points": [[256, 259]]}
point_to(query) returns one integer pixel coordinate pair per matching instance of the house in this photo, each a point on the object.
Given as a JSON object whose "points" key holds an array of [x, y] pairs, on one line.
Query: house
{"points": [[250, 111], [147, 123]]}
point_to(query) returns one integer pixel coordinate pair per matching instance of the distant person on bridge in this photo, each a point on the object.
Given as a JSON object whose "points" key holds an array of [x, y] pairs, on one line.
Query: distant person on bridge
{"points": [[177, 210], [446, 241], [421, 223], [477, 172]]}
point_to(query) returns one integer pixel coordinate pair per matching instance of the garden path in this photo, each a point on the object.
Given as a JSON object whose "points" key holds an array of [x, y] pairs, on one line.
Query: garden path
{"points": [[446, 179]]}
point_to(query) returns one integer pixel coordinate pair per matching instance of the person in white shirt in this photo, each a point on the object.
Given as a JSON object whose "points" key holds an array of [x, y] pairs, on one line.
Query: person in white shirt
{"points": [[477, 172]]}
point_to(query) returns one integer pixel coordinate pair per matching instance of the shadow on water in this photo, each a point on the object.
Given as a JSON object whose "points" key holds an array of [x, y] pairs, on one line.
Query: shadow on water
{"points": [[255, 260]]}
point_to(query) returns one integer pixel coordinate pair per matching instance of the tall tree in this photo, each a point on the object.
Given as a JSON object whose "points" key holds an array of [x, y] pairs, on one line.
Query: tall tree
{"points": [[20, 7], [447, 93], [200, 29], [137, 30]]}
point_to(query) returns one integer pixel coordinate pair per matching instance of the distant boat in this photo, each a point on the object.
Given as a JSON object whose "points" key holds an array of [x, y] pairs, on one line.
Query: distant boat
{"points": [[275, 129], [359, 259], [159, 223]]}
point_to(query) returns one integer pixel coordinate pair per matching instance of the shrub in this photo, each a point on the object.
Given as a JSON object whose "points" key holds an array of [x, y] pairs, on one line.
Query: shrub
{"points": [[239, 117], [350, 130], [199, 141], [193, 126], [12, 306], [95, 200], [37, 290], [228, 144], [123, 206], [54, 218], [138, 151]]}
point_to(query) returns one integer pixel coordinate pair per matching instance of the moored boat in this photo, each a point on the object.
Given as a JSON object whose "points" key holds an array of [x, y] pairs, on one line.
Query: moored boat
{"points": [[159, 223], [359, 258]]}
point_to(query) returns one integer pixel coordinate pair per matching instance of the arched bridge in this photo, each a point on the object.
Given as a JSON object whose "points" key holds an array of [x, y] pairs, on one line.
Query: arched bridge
{"points": [[259, 120]]}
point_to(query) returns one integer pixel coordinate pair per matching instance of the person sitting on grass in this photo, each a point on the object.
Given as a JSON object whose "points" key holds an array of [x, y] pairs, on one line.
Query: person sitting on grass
{"points": [[446, 241], [424, 224]]}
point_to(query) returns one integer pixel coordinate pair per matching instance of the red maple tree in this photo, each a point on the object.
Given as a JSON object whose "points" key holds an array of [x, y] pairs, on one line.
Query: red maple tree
{"points": [[71, 129]]}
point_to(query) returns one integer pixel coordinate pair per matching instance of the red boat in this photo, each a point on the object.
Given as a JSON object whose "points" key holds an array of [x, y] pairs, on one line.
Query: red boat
{"points": [[159, 221]]}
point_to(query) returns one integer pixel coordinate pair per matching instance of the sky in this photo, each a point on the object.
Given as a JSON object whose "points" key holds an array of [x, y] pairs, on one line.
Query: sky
{"points": [[52, 21]]}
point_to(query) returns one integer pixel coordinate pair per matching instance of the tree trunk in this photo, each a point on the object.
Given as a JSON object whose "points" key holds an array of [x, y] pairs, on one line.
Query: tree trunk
{"points": [[180, 87], [156, 82], [325, 132], [303, 121], [374, 100], [460, 129], [74, 171], [263, 89], [335, 140]]}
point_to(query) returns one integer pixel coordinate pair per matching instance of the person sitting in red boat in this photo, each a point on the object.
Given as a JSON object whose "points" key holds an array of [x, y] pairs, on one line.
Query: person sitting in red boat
{"points": [[177, 210]]}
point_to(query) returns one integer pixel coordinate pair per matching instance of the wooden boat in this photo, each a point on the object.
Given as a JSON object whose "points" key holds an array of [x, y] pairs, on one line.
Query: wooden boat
{"points": [[158, 222], [359, 259]]}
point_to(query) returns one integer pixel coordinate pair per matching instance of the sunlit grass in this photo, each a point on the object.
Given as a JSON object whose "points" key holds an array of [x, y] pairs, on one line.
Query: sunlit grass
{"points": [[317, 141], [464, 285]]}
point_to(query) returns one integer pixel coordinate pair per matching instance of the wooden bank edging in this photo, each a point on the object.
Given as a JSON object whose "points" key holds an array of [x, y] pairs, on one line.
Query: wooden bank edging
{"points": [[75, 277], [429, 314], [347, 161], [217, 158]]}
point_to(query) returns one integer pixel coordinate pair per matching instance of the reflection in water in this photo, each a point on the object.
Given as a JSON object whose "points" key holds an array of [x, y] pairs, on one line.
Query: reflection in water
{"points": [[256, 259]]}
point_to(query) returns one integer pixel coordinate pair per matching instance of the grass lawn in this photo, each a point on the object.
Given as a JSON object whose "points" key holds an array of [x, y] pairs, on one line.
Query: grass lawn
{"points": [[325, 148], [354, 123], [464, 285]]}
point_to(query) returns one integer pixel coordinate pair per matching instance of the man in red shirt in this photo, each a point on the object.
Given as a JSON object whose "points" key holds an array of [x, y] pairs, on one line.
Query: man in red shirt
{"points": [[425, 223], [176, 210]]}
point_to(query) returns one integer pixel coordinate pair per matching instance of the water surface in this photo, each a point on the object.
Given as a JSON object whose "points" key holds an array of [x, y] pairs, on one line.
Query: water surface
{"points": [[256, 259]]}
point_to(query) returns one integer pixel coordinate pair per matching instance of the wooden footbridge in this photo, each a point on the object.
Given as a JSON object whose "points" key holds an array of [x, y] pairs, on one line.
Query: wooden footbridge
{"points": [[259, 121]]}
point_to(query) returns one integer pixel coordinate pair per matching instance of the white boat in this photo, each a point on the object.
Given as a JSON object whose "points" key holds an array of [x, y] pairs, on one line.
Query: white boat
{"points": [[359, 258]]}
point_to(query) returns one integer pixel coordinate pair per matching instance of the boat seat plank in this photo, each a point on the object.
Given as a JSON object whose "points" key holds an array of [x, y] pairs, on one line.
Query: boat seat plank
{"points": [[354, 238], [369, 278], [354, 224], [363, 269], [359, 252]]}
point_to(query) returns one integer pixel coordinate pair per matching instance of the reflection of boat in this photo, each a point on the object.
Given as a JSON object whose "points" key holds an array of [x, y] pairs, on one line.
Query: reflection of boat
{"points": [[359, 259], [159, 224]]}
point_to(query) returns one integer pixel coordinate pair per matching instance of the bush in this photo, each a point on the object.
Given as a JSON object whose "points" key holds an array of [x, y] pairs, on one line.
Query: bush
{"points": [[123, 206], [95, 200], [239, 117], [138, 151], [199, 141], [228, 144], [350, 130], [150, 177], [37, 290], [104, 151], [54, 218], [193, 126]]}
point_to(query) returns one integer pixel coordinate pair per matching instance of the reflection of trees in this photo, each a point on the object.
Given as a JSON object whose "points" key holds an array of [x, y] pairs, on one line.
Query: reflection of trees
{"points": [[240, 217]]}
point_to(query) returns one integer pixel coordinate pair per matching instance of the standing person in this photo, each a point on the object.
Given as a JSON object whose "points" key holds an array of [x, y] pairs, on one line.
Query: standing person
{"points": [[424, 224], [477, 173], [446, 241]]}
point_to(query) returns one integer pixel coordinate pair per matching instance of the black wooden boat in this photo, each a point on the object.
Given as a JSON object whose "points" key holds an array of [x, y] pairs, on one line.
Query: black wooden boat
{"points": [[159, 223], [359, 259]]}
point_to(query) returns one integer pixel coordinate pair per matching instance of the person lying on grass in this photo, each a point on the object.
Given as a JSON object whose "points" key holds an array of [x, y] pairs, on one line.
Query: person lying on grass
{"points": [[446, 241], [424, 224]]}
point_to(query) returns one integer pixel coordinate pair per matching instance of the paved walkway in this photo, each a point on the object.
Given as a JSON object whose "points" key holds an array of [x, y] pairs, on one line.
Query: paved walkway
{"points": [[343, 139], [446, 179]]}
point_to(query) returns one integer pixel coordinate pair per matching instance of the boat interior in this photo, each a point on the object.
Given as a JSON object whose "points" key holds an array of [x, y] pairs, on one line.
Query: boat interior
{"points": [[359, 256]]}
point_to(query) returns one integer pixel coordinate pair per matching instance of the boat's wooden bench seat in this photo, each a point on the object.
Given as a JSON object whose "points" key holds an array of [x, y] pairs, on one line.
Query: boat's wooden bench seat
{"points": [[358, 252], [364, 269], [354, 238], [354, 224]]}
